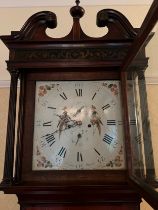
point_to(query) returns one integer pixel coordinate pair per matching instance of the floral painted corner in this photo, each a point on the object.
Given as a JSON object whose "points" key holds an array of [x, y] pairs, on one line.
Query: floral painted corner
{"points": [[117, 161], [42, 161], [112, 87], [43, 89]]}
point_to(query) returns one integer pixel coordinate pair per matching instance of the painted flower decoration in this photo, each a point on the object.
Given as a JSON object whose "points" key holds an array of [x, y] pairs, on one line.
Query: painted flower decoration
{"points": [[40, 164], [95, 118], [113, 88], [118, 161], [42, 91]]}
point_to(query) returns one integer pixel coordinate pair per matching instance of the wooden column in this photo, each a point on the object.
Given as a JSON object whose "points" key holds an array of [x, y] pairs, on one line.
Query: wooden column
{"points": [[9, 152], [17, 175]]}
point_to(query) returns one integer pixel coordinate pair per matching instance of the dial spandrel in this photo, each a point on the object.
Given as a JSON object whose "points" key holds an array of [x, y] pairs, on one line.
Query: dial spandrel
{"points": [[78, 125]]}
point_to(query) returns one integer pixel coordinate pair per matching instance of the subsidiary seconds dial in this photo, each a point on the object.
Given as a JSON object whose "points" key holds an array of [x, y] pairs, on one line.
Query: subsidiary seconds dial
{"points": [[78, 125]]}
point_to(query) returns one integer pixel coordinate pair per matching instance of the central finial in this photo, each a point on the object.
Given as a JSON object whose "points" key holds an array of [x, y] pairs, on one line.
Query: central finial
{"points": [[77, 11], [77, 2]]}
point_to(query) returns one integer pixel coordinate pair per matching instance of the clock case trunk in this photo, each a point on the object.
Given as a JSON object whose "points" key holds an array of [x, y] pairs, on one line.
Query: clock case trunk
{"points": [[32, 56]]}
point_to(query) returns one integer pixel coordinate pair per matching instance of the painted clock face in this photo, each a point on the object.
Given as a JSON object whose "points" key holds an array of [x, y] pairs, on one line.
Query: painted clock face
{"points": [[78, 125]]}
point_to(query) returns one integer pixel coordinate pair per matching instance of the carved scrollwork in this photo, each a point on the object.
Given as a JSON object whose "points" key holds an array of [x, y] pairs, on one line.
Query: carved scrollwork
{"points": [[71, 54], [14, 72], [36, 25], [116, 22]]}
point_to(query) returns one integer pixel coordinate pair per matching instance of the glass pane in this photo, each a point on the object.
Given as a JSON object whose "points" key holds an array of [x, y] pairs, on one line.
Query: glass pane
{"points": [[142, 90], [151, 76]]}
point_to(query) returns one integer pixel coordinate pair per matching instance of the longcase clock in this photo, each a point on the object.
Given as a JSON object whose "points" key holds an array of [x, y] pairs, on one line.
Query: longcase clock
{"points": [[73, 139]]}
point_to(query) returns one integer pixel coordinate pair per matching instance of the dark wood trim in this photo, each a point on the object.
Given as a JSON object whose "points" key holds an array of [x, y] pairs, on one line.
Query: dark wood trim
{"points": [[34, 28], [117, 206], [148, 193], [10, 139], [17, 176], [70, 74], [63, 64], [61, 177], [69, 195], [107, 16]]}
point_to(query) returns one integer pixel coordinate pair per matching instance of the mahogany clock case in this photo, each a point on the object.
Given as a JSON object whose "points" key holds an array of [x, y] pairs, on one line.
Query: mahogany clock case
{"points": [[36, 57]]}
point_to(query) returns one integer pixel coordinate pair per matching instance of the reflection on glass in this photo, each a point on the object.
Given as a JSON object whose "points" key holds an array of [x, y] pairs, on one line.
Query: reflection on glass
{"points": [[151, 76], [142, 89], [135, 127]]}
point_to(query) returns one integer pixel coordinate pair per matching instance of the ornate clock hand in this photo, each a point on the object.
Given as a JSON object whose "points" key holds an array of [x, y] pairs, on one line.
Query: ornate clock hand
{"points": [[78, 137], [75, 123], [95, 119], [67, 122], [63, 122], [78, 111]]}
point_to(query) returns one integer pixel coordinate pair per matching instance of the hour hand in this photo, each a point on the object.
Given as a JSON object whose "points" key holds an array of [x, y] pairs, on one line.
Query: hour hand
{"points": [[66, 122], [95, 118], [78, 111]]}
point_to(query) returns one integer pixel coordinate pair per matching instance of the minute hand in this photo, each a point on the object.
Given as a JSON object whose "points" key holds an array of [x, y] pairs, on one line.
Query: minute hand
{"points": [[78, 111], [75, 123]]}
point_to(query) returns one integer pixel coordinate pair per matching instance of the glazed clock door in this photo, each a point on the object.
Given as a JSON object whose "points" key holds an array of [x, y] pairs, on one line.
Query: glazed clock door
{"points": [[78, 125], [142, 105]]}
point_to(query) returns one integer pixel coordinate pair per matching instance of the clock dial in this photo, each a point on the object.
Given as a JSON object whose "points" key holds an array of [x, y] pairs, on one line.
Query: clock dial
{"points": [[78, 125]]}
